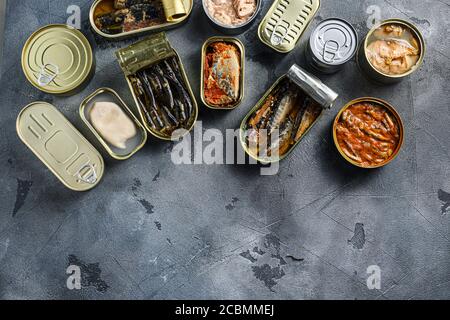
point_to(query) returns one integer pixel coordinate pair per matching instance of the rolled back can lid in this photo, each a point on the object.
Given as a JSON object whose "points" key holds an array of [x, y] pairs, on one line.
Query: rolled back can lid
{"points": [[57, 59], [334, 41]]}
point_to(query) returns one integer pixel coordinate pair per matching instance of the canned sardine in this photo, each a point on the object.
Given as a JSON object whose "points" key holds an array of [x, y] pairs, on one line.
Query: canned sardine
{"points": [[332, 44], [160, 87], [285, 114], [391, 51]]}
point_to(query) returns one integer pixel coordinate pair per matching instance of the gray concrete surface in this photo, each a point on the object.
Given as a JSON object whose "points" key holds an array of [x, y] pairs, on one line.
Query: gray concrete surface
{"points": [[158, 231], [2, 26]]}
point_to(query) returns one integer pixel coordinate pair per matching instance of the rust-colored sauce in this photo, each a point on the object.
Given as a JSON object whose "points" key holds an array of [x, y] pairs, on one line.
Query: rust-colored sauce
{"points": [[368, 133]]}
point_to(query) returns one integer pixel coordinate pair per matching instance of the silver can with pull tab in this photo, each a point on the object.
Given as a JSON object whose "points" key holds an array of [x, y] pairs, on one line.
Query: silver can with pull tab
{"points": [[331, 45]]}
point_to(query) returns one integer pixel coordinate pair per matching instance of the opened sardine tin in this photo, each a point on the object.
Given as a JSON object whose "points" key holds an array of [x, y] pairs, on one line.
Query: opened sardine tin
{"points": [[241, 49], [285, 22], [61, 147], [176, 13]]}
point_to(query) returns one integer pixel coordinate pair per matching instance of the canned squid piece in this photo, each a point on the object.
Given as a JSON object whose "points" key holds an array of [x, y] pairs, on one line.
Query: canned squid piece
{"points": [[160, 87], [116, 19], [285, 22], [61, 147], [222, 74], [57, 59], [368, 132], [332, 44], [391, 51], [288, 110], [113, 123]]}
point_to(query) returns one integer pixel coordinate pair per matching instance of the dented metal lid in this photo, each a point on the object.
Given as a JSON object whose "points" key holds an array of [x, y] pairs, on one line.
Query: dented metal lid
{"points": [[57, 59], [61, 147], [334, 41], [315, 88], [285, 22]]}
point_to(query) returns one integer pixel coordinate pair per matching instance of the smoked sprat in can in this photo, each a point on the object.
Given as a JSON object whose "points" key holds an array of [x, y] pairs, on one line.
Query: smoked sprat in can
{"points": [[160, 87]]}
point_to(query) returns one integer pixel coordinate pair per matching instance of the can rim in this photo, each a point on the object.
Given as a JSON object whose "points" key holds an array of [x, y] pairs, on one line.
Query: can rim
{"points": [[244, 24], [417, 33], [56, 25], [394, 112], [202, 84], [352, 29]]}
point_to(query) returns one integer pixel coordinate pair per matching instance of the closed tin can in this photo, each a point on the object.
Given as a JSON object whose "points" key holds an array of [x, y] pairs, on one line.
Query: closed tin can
{"points": [[58, 59], [61, 147], [160, 87], [133, 144], [231, 29], [332, 44], [208, 76], [292, 106], [285, 22], [371, 139], [375, 55], [173, 14]]}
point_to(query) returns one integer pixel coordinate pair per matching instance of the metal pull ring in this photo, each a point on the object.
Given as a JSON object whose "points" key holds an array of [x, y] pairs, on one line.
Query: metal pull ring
{"points": [[279, 33], [47, 75], [91, 175], [330, 50]]}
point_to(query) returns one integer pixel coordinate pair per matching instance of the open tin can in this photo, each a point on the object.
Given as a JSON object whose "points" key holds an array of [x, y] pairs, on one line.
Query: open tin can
{"points": [[285, 22], [133, 143], [107, 17], [222, 73], [58, 59], [333, 43], [368, 132], [61, 147], [284, 115], [387, 38], [160, 87], [231, 28]]}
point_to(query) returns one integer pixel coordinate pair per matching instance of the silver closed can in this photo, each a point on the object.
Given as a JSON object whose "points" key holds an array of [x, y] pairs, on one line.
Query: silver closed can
{"points": [[332, 44]]}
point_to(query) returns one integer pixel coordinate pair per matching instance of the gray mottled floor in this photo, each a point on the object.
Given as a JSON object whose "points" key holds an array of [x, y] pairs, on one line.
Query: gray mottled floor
{"points": [[155, 230]]}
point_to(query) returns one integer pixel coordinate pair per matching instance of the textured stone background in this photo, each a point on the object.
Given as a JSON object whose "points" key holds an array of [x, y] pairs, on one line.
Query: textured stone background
{"points": [[155, 230]]}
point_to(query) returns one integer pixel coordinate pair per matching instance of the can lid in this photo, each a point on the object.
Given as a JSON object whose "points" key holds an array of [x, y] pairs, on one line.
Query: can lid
{"points": [[334, 41], [144, 53], [57, 59], [315, 88], [285, 22], [61, 147]]}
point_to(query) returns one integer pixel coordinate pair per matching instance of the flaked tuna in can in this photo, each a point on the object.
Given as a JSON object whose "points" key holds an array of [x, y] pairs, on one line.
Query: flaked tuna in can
{"points": [[331, 45]]}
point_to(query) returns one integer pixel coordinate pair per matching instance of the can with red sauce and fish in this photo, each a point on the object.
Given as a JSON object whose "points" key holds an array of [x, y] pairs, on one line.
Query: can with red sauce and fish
{"points": [[222, 73], [368, 132], [391, 51]]}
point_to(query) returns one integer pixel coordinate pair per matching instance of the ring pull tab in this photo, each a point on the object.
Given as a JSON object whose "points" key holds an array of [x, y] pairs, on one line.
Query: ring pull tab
{"points": [[330, 51], [279, 33], [90, 176], [47, 75]]}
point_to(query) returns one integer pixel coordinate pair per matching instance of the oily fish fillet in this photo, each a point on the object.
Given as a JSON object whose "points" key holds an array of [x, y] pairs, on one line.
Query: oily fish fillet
{"points": [[112, 123]]}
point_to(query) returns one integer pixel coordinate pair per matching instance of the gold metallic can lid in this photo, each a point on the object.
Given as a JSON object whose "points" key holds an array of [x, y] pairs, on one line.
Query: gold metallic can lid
{"points": [[57, 59], [61, 147]]}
